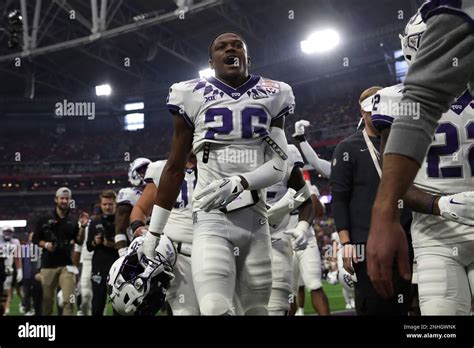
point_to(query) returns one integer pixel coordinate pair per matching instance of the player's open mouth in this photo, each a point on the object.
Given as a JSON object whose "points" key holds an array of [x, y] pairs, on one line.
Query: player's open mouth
{"points": [[231, 60]]}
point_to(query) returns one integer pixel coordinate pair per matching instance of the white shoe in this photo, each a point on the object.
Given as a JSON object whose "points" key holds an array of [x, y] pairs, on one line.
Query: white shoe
{"points": [[79, 313], [21, 309], [30, 313], [300, 312]]}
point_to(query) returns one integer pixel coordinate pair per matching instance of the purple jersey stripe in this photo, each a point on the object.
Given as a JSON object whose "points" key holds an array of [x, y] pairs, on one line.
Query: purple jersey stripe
{"points": [[284, 112], [175, 109], [382, 121]]}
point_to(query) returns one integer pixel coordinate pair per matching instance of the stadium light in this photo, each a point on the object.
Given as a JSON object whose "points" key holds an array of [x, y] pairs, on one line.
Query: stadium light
{"points": [[134, 106], [12, 223], [321, 41], [206, 73], [102, 90]]}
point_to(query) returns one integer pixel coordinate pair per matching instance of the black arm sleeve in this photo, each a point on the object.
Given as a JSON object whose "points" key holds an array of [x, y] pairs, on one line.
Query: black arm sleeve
{"points": [[341, 185], [38, 232], [90, 236]]}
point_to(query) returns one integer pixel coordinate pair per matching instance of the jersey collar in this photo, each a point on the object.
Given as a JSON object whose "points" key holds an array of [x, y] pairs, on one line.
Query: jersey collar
{"points": [[234, 93]]}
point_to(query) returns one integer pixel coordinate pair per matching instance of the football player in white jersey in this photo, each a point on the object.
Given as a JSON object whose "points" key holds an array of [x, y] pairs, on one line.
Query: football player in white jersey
{"points": [[179, 229], [444, 248], [126, 199], [234, 123], [11, 249], [307, 264], [284, 197]]}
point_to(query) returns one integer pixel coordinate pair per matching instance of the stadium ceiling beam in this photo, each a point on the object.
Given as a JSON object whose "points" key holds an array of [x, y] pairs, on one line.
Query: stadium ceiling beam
{"points": [[26, 34], [170, 42], [107, 34], [79, 17], [34, 29], [114, 11], [244, 23]]}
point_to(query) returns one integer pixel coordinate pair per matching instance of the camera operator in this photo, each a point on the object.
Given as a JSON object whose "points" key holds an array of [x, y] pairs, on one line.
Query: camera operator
{"points": [[56, 233], [100, 239]]}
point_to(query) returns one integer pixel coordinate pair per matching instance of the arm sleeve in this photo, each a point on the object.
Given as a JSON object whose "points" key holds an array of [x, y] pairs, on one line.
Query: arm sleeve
{"points": [[274, 169], [90, 237], [321, 166], [38, 233], [432, 84], [341, 185]]}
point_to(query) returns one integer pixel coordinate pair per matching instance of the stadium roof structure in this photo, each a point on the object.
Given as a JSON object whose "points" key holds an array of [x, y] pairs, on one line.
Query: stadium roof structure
{"points": [[140, 47]]}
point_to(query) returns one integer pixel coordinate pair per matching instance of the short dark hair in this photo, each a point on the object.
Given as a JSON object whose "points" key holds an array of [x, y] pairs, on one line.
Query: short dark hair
{"points": [[222, 33], [108, 194]]}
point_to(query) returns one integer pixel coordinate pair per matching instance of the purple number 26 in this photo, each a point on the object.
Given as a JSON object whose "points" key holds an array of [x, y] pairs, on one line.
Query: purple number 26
{"points": [[227, 126]]}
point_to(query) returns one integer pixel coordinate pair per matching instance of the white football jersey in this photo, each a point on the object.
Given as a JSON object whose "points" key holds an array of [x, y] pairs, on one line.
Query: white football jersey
{"points": [[129, 195], [179, 227], [233, 122], [448, 167], [278, 190]]}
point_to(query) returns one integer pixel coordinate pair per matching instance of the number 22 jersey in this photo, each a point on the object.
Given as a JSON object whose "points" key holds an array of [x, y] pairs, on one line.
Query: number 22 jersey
{"points": [[448, 167]]}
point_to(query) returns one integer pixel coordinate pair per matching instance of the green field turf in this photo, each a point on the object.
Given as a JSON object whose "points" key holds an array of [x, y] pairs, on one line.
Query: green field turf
{"points": [[333, 292]]}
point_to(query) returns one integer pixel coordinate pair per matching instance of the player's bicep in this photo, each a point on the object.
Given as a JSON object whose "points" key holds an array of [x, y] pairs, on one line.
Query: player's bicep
{"points": [[181, 142], [122, 218], [145, 203]]}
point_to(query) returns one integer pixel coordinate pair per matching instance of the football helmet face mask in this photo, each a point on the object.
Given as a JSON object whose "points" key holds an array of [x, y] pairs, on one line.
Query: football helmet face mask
{"points": [[138, 287], [411, 39], [136, 171]]}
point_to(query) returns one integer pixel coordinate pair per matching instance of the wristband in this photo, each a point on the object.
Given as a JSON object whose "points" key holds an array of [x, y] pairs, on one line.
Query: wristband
{"points": [[300, 138], [431, 204], [136, 224]]}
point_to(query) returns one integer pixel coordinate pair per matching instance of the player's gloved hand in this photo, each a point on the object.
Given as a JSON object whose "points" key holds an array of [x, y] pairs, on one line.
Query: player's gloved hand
{"points": [[19, 275], [458, 208], [123, 251], [220, 193], [150, 242], [298, 235], [300, 127]]}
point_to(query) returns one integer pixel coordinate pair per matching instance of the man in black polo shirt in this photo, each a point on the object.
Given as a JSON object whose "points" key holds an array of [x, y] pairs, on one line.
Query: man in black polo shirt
{"points": [[56, 233], [355, 177]]}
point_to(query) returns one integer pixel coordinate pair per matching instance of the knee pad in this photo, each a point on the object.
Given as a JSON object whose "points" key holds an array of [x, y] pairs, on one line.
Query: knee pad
{"points": [[214, 304]]}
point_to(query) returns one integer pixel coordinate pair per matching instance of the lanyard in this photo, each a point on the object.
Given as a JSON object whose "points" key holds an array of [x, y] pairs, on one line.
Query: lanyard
{"points": [[374, 153]]}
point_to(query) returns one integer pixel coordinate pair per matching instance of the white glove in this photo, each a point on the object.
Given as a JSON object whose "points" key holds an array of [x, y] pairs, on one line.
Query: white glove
{"points": [[123, 251], [220, 193], [19, 276], [300, 127], [150, 242], [298, 235], [458, 208]]}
